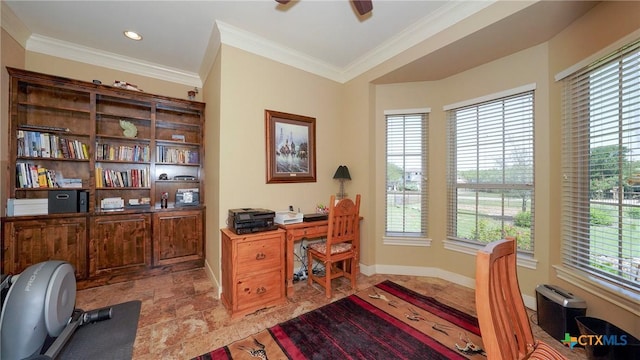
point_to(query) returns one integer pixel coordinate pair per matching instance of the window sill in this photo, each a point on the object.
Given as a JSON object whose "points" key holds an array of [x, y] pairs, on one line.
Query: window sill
{"points": [[523, 260], [614, 294], [406, 241]]}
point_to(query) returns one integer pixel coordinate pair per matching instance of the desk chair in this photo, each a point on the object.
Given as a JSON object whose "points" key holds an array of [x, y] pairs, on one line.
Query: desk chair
{"points": [[504, 324], [339, 253]]}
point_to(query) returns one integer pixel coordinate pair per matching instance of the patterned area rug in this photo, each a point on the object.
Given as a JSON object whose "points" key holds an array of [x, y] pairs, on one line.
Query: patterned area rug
{"points": [[386, 321]]}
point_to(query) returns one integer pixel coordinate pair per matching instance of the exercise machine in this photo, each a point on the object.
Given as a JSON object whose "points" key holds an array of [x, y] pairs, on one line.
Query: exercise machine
{"points": [[38, 307]]}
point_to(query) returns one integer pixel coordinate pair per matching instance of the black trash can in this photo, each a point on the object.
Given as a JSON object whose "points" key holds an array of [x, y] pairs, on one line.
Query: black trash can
{"points": [[612, 339], [557, 311]]}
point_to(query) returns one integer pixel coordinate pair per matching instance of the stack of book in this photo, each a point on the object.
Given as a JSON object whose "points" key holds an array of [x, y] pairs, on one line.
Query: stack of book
{"points": [[34, 176], [70, 183], [173, 155], [137, 153], [20, 207], [46, 145], [129, 178]]}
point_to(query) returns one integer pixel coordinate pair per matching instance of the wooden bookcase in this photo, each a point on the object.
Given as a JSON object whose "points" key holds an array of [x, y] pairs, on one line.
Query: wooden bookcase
{"points": [[109, 143]]}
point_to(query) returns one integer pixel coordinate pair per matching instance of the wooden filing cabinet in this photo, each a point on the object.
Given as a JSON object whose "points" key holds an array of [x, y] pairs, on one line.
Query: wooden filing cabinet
{"points": [[252, 270]]}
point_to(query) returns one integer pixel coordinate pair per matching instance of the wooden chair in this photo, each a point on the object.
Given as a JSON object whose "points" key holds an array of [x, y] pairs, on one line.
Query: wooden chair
{"points": [[340, 252], [504, 324]]}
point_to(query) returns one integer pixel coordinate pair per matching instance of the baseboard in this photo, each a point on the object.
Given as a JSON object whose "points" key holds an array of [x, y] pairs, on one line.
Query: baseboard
{"points": [[211, 276]]}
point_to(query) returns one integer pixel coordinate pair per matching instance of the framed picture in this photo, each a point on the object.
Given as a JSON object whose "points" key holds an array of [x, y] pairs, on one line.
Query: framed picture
{"points": [[291, 147]]}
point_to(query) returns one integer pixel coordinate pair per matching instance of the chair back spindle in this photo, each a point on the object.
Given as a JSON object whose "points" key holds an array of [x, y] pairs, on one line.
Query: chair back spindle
{"points": [[340, 252], [504, 324]]}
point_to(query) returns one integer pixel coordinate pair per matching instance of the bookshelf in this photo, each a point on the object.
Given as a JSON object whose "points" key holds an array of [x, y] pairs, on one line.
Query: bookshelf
{"points": [[127, 150]]}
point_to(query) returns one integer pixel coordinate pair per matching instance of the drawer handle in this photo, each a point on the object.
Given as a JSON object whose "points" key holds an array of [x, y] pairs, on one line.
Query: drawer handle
{"points": [[261, 290], [261, 256]]}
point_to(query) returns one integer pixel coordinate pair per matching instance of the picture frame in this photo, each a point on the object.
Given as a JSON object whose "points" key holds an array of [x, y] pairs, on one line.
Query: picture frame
{"points": [[291, 147]]}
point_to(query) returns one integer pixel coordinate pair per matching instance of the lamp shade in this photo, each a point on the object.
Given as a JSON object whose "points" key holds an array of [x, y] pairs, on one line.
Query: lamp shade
{"points": [[342, 173]]}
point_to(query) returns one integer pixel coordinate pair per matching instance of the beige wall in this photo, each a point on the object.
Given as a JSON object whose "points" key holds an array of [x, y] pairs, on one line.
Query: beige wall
{"points": [[250, 84], [595, 31], [525, 67], [536, 65], [350, 131], [211, 90]]}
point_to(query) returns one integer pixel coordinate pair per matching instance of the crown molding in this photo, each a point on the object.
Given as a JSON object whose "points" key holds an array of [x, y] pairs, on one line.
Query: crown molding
{"points": [[210, 54], [445, 17], [13, 25], [250, 42], [66, 50]]}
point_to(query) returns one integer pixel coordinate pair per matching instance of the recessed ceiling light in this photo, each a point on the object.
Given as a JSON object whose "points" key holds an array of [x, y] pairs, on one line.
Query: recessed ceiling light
{"points": [[132, 35]]}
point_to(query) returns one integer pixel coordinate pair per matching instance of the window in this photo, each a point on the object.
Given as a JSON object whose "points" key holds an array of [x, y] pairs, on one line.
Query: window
{"points": [[601, 169], [406, 167], [491, 168]]}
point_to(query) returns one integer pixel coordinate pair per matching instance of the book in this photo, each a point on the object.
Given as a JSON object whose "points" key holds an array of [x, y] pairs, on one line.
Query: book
{"points": [[45, 145], [43, 128], [42, 176], [33, 171], [64, 147]]}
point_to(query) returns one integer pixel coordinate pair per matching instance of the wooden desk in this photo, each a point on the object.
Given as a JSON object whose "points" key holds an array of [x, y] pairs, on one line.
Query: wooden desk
{"points": [[299, 231]]}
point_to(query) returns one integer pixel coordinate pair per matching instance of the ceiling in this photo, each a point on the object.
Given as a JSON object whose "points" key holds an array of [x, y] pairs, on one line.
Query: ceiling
{"points": [[326, 37]]}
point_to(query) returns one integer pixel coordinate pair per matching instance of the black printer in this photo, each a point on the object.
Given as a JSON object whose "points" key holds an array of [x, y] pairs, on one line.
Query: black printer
{"points": [[249, 220]]}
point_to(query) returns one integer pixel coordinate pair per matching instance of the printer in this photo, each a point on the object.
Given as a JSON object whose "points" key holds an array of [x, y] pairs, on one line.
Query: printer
{"points": [[249, 220]]}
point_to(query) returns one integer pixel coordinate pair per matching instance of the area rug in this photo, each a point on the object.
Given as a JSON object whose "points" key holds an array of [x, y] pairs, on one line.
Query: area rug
{"points": [[386, 321]]}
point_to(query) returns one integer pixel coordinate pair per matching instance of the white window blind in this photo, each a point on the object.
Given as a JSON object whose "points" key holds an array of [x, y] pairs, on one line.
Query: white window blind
{"points": [[601, 169], [406, 174], [490, 173]]}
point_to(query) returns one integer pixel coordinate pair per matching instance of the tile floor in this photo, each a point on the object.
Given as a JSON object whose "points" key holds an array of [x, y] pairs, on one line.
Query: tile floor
{"points": [[182, 317]]}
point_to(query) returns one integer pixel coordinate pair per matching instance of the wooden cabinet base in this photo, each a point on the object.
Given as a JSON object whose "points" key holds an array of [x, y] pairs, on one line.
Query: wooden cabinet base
{"points": [[123, 277], [252, 271], [106, 249]]}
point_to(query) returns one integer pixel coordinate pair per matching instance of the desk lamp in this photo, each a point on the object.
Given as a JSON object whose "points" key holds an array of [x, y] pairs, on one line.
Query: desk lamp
{"points": [[342, 174]]}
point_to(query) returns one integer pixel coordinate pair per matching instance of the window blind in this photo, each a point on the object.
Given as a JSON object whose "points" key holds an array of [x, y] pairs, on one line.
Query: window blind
{"points": [[601, 168], [490, 170], [406, 175]]}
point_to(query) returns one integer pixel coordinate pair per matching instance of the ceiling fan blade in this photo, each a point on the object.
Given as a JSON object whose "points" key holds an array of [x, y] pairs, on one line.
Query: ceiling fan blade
{"points": [[362, 6]]}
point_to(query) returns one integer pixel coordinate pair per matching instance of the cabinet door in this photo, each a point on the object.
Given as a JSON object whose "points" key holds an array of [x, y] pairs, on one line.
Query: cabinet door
{"points": [[29, 242], [177, 237], [119, 244], [259, 290]]}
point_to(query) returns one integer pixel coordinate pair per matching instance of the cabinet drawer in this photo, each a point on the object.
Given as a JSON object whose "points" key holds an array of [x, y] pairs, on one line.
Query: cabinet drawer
{"points": [[310, 232], [261, 290], [259, 255]]}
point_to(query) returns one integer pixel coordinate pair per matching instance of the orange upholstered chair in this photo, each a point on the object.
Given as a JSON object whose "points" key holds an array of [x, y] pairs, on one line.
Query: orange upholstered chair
{"points": [[504, 324], [339, 253]]}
